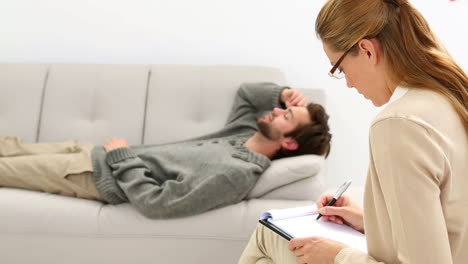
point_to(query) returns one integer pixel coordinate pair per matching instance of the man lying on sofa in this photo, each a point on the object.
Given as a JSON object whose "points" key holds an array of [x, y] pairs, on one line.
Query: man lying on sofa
{"points": [[176, 179]]}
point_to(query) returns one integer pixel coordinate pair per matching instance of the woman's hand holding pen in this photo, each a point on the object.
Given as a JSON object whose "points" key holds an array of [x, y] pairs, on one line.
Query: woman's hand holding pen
{"points": [[323, 250], [344, 211]]}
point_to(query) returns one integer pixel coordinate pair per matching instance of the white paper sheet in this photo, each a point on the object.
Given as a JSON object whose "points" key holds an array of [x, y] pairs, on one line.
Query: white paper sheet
{"points": [[300, 222]]}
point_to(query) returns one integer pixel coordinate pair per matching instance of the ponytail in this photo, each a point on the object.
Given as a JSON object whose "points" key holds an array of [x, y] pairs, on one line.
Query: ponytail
{"points": [[413, 53]]}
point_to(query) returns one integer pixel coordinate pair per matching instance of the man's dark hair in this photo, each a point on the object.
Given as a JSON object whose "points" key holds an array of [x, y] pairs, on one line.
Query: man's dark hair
{"points": [[313, 138]]}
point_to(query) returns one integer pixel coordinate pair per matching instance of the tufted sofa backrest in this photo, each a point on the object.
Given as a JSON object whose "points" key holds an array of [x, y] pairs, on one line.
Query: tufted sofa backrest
{"points": [[147, 104]]}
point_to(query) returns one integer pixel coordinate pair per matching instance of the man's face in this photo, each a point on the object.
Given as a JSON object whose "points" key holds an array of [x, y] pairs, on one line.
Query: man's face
{"points": [[282, 121]]}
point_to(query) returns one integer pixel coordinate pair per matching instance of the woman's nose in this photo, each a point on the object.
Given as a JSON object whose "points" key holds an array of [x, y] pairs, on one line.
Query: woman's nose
{"points": [[348, 83]]}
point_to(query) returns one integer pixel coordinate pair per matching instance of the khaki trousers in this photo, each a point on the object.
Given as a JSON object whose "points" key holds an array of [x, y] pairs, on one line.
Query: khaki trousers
{"points": [[266, 247], [61, 168]]}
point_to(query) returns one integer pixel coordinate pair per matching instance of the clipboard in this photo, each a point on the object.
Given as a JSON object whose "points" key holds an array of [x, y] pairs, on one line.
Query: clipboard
{"points": [[295, 222], [275, 229]]}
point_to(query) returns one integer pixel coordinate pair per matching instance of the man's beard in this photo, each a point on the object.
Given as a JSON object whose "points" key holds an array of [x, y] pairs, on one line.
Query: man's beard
{"points": [[265, 129]]}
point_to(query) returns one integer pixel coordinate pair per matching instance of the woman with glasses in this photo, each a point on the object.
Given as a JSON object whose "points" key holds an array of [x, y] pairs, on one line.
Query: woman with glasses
{"points": [[415, 198]]}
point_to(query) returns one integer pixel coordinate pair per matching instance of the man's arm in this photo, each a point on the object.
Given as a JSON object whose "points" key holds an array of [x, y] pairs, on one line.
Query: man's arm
{"points": [[253, 98], [173, 198]]}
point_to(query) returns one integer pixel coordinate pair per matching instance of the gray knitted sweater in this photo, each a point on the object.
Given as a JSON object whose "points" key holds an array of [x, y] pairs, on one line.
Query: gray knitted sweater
{"points": [[191, 176]]}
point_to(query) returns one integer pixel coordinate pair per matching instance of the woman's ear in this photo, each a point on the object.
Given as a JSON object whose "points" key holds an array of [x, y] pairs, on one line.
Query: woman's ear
{"points": [[289, 143], [372, 49]]}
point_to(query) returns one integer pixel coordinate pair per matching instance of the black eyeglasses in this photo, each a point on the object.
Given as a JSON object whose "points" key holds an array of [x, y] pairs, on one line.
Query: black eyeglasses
{"points": [[335, 72]]}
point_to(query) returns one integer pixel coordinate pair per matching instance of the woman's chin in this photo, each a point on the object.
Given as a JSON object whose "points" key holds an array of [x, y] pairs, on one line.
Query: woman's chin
{"points": [[375, 103]]}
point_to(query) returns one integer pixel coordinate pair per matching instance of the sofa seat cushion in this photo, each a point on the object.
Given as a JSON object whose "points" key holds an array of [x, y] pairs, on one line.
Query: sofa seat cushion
{"points": [[48, 214]]}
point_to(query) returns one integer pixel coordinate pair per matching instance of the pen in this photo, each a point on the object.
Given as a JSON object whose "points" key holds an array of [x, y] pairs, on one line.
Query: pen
{"points": [[340, 191]]}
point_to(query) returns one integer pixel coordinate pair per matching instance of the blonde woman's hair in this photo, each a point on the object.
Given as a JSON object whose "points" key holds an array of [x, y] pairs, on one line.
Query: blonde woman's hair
{"points": [[412, 52]]}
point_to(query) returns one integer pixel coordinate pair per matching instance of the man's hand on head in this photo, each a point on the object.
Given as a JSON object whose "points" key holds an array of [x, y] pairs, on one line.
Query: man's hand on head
{"points": [[293, 97], [115, 143]]}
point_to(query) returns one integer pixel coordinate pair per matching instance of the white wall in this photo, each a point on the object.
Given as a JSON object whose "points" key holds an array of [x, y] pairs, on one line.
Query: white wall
{"points": [[251, 32]]}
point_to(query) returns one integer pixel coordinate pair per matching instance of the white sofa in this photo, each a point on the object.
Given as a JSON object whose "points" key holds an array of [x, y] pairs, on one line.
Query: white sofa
{"points": [[146, 104]]}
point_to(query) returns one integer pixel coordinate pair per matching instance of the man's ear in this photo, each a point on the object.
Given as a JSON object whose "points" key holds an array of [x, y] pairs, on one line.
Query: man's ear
{"points": [[289, 143]]}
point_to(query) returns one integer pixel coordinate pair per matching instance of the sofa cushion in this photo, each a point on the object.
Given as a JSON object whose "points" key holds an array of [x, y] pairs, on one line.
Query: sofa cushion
{"points": [[21, 92], [189, 101], [94, 103], [49, 214], [50, 228], [286, 171]]}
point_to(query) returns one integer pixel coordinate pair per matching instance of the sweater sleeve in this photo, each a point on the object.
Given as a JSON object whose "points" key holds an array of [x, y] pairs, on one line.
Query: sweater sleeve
{"points": [[408, 166], [174, 198], [252, 98]]}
